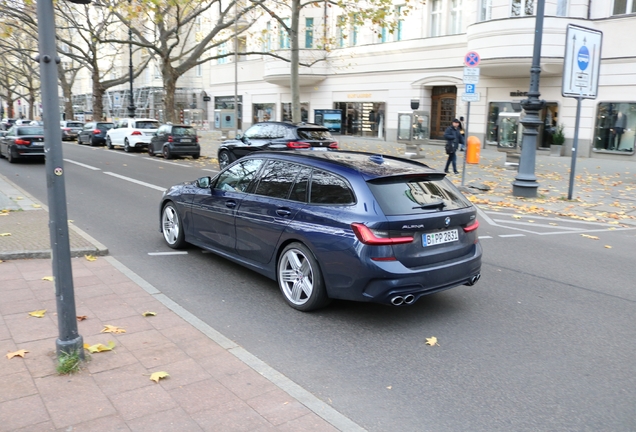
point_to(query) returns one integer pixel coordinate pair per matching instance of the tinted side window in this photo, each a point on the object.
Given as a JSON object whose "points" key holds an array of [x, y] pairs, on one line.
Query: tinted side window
{"points": [[182, 130], [253, 132], [277, 179], [105, 126], [123, 124], [299, 191], [238, 177], [327, 188]]}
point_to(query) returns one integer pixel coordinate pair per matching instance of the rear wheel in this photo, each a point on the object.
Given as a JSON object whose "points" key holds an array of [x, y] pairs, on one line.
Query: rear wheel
{"points": [[166, 153], [126, 146], [109, 143], [225, 158], [196, 156], [10, 156], [300, 279], [171, 226], [150, 150]]}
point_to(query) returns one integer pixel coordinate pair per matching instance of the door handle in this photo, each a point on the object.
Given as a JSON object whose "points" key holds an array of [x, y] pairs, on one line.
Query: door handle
{"points": [[230, 204], [283, 212]]}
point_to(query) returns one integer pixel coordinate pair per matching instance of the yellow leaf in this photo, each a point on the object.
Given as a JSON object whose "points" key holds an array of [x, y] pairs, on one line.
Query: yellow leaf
{"points": [[36, 206], [389, 387], [531, 221], [38, 313], [553, 224], [90, 258], [589, 236], [19, 198], [608, 247], [81, 317], [148, 313], [516, 216], [156, 376], [112, 329], [432, 341], [20, 353], [4, 211], [48, 278], [99, 347], [5, 234]]}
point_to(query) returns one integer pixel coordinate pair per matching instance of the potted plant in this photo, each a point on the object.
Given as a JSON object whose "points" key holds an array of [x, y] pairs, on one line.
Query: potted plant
{"points": [[558, 139]]}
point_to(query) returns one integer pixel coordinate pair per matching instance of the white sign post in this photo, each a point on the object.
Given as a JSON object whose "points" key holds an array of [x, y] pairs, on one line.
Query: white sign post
{"points": [[581, 67], [471, 79]]}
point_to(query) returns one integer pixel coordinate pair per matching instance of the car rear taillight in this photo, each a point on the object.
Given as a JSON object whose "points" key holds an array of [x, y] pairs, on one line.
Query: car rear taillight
{"points": [[472, 227], [298, 145], [22, 142], [333, 145], [170, 139], [196, 139], [136, 133], [66, 129], [96, 131], [370, 237]]}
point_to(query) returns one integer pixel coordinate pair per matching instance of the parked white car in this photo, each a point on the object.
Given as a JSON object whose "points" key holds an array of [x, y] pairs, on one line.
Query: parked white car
{"points": [[132, 133]]}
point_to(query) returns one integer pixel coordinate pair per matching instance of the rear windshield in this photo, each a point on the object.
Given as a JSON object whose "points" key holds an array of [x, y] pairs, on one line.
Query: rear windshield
{"points": [[412, 196], [33, 130], [314, 134], [105, 126], [75, 125], [180, 130], [147, 125]]}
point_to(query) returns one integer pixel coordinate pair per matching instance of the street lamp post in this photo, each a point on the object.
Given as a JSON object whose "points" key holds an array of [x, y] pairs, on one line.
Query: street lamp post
{"points": [[131, 107], [525, 184]]}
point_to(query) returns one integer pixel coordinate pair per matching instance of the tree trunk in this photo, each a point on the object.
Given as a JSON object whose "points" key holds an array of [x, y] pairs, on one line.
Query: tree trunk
{"points": [[10, 102], [31, 104], [294, 64], [67, 92], [98, 96], [169, 88]]}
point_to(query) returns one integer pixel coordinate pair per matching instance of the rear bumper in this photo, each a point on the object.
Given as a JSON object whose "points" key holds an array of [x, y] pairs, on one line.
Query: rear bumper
{"points": [[184, 150], [20, 152]]}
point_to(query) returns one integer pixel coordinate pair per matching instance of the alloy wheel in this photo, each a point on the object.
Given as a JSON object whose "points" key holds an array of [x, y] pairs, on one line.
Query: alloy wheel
{"points": [[296, 277]]}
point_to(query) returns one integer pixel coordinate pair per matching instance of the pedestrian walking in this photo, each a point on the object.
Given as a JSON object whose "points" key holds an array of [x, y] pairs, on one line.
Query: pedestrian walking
{"points": [[454, 139]]}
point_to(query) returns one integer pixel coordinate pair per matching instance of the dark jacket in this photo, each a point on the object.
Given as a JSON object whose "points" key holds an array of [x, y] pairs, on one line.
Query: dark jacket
{"points": [[454, 136]]}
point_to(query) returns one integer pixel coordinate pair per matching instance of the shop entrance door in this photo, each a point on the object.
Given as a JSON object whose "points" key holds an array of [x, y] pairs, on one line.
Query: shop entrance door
{"points": [[442, 110]]}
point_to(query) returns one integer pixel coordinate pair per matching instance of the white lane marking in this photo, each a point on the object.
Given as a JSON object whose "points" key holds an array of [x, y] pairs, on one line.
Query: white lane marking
{"points": [[132, 180], [612, 229], [539, 225], [83, 165], [561, 219], [511, 235], [485, 216], [168, 253], [484, 237], [150, 158]]}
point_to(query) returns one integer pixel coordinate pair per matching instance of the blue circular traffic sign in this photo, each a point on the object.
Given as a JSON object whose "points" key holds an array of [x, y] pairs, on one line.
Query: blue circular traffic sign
{"points": [[583, 58], [471, 59]]}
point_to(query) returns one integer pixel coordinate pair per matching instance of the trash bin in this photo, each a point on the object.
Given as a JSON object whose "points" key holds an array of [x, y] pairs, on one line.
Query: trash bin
{"points": [[473, 148]]}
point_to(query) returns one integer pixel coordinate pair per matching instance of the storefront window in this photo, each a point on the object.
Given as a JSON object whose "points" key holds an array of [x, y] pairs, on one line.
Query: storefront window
{"points": [[263, 112], [494, 110], [287, 111], [364, 119], [615, 126], [226, 104]]}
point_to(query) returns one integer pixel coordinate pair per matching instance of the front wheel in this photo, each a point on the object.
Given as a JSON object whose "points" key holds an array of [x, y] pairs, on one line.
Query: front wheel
{"points": [[109, 143], [150, 150], [171, 226], [166, 153], [300, 279], [225, 158], [126, 146]]}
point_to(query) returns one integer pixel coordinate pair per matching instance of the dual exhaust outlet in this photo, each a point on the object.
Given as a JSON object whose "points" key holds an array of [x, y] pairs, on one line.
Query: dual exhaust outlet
{"points": [[410, 298]]}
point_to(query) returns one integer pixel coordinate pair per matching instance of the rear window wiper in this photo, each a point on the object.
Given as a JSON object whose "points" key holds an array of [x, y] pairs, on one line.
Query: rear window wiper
{"points": [[438, 204]]}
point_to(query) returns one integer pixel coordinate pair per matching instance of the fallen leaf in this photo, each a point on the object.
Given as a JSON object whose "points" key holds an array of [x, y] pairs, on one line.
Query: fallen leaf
{"points": [[589, 236], [20, 353], [48, 278], [531, 221], [553, 224], [156, 376], [112, 329], [90, 258], [148, 313], [432, 341], [516, 216], [38, 313], [81, 317], [99, 347], [5, 234], [389, 387], [36, 206], [608, 247], [19, 198]]}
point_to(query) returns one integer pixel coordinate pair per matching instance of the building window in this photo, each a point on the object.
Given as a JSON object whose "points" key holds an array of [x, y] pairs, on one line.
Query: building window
{"points": [[436, 18], [624, 7], [494, 109], [362, 118], [562, 8], [263, 112], [354, 30], [309, 32], [198, 69], [283, 35], [485, 7], [399, 31], [456, 17], [384, 32], [615, 127], [522, 8], [340, 31], [287, 111], [157, 72], [267, 37]]}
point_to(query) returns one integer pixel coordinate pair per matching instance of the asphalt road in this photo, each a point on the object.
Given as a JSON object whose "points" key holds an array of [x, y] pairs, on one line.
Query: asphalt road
{"points": [[544, 342]]}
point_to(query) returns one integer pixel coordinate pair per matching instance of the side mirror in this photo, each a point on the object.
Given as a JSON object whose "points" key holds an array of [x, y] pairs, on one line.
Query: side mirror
{"points": [[239, 137], [203, 182]]}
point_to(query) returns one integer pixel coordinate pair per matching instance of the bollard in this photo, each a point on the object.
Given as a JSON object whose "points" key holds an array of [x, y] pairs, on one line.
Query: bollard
{"points": [[473, 148]]}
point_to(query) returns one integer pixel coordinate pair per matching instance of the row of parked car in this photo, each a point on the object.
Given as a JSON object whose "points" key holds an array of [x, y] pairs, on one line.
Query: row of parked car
{"points": [[25, 138]]}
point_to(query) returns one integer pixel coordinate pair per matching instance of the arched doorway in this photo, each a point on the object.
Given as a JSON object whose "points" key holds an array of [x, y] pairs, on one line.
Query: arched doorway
{"points": [[443, 101]]}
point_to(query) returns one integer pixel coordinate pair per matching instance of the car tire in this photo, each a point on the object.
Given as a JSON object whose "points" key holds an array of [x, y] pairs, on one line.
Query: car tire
{"points": [[150, 150], [91, 141], [225, 158], [196, 156], [171, 226], [300, 279], [10, 156], [109, 143], [166, 153], [126, 146]]}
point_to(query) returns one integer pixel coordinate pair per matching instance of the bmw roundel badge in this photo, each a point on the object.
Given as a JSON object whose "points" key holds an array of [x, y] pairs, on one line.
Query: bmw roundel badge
{"points": [[447, 221]]}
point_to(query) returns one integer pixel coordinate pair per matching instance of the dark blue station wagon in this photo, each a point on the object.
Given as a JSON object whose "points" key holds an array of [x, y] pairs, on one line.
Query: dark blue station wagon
{"points": [[332, 225]]}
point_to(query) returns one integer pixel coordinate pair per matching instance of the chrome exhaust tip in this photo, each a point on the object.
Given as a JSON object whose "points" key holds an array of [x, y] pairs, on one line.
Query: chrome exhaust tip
{"points": [[397, 300], [409, 299], [474, 279]]}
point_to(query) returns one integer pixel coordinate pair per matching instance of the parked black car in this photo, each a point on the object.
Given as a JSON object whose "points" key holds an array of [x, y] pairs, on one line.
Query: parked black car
{"points": [[94, 133], [22, 142], [175, 140], [276, 136], [70, 129]]}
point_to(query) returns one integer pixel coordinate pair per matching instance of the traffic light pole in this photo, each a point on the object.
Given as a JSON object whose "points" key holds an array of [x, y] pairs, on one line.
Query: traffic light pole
{"points": [[69, 340]]}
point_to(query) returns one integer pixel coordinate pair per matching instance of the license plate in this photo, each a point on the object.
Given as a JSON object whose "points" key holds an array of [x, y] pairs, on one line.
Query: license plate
{"points": [[37, 144], [186, 140], [440, 238], [319, 148]]}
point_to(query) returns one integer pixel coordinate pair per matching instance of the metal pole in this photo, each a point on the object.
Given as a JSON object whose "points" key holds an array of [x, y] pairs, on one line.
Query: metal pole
{"points": [[525, 184], [466, 142], [131, 107], [69, 340], [575, 145], [235, 69]]}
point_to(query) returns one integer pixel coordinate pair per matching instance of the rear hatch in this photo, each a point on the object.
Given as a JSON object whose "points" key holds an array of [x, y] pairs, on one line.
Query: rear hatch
{"points": [[103, 128], [431, 210], [32, 137], [147, 127], [74, 127], [317, 139], [183, 136]]}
